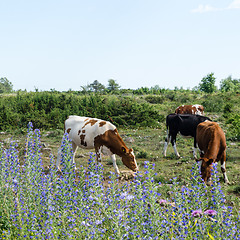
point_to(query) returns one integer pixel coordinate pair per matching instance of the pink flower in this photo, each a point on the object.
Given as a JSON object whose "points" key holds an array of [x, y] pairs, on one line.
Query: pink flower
{"points": [[210, 212], [162, 202], [197, 213]]}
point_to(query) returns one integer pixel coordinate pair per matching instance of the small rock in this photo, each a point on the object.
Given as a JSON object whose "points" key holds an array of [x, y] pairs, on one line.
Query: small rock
{"points": [[129, 140], [46, 150]]}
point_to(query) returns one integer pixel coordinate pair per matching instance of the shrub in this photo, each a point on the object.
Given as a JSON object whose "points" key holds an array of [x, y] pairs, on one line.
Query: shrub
{"points": [[49, 109], [234, 128], [154, 99]]}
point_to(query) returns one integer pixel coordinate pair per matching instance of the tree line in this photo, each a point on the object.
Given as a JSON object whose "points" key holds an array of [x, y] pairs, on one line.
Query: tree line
{"points": [[207, 85]]}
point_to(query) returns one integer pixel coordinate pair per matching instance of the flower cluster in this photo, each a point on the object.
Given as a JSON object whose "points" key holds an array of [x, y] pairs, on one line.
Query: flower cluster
{"points": [[78, 205]]}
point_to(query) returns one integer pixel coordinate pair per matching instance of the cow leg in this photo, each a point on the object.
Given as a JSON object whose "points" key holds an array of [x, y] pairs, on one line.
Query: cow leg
{"points": [[173, 141], [113, 157], [58, 159], [74, 148], [167, 140], [223, 168], [195, 148], [98, 154]]}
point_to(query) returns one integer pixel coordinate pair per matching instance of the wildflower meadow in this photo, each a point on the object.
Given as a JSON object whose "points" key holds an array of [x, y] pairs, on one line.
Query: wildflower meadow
{"points": [[40, 204]]}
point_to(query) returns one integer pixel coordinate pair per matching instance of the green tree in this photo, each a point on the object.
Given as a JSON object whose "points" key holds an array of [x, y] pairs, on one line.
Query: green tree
{"points": [[96, 86], [208, 84], [5, 85], [229, 85], [113, 85]]}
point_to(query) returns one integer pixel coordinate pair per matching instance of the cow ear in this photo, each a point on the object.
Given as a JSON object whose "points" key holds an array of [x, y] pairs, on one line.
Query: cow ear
{"points": [[123, 149], [205, 159]]}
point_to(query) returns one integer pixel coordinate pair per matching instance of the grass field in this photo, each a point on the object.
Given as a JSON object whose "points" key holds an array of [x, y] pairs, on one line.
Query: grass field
{"points": [[148, 145]]}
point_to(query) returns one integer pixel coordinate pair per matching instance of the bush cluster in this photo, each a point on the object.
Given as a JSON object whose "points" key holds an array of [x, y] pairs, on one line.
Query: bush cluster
{"points": [[49, 110]]}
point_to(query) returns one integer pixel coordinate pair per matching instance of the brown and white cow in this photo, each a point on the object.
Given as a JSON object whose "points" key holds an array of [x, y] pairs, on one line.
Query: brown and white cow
{"points": [[89, 133], [190, 109], [212, 145]]}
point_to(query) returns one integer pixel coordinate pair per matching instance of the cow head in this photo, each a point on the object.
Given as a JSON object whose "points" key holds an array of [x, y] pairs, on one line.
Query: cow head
{"points": [[206, 168], [128, 159]]}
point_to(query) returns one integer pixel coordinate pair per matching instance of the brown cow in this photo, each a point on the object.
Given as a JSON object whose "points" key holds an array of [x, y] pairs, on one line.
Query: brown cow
{"points": [[212, 145], [190, 109], [93, 133]]}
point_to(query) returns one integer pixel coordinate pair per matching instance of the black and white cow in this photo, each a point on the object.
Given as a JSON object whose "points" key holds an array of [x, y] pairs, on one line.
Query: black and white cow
{"points": [[186, 125]]}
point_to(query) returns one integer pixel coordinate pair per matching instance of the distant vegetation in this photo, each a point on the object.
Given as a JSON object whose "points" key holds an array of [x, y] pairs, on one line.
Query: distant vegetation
{"points": [[124, 107]]}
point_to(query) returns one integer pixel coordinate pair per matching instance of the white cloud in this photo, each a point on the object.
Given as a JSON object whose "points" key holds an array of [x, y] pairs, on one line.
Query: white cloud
{"points": [[208, 8], [234, 4], [205, 8]]}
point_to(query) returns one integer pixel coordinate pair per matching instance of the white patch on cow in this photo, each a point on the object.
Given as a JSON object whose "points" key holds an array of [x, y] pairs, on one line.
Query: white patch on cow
{"points": [[77, 123], [135, 161], [175, 150], [165, 149], [195, 152], [223, 166], [166, 145], [196, 105], [115, 164], [225, 174], [225, 177], [209, 181]]}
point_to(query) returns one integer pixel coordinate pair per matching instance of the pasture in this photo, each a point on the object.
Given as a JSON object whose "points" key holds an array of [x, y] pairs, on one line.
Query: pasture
{"points": [[166, 200]]}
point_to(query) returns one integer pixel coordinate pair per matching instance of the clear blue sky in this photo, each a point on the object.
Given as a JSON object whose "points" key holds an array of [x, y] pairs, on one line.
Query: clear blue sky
{"points": [[139, 43]]}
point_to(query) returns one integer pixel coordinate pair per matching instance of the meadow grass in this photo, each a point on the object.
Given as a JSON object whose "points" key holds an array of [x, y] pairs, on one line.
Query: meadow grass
{"points": [[35, 204]]}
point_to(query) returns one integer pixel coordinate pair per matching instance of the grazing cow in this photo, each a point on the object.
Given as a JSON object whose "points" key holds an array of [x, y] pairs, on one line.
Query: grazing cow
{"points": [[101, 135], [212, 145], [190, 109], [186, 125]]}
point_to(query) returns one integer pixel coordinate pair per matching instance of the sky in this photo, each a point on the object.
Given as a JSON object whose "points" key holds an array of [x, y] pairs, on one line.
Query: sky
{"points": [[66, 44]]}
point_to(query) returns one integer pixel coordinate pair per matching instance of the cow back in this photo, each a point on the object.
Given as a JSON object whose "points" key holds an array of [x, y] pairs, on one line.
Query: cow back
{"points": [[190, 109], [84, 130], [210, 138], [186, 124]]}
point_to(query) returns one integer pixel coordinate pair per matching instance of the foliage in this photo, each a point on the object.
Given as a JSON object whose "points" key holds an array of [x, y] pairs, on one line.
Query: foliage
{"points": [[96, 86], [124, 107], [154, 99], [113, 85], [207, 84], [213, 103], [5, 85], [234, 126], [75, 205], [230, 85], [50, 109]]}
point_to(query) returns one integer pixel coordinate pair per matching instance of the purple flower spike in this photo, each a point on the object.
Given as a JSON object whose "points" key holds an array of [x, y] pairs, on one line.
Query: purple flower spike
{"points": [[210, 212], [197, 213]]}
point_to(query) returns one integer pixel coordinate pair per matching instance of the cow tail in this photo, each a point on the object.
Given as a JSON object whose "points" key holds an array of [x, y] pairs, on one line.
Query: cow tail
{"points": [[167, 125]]}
